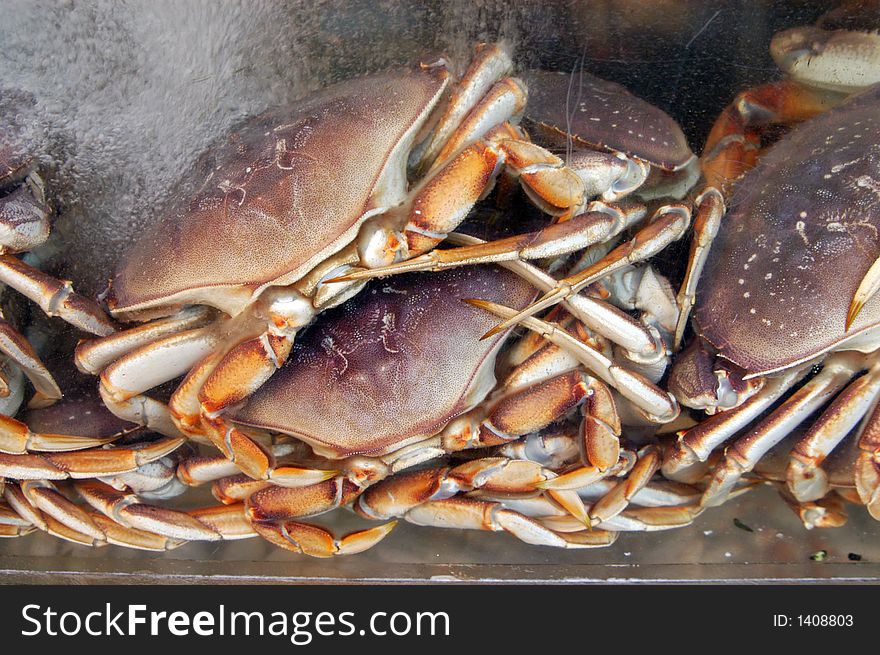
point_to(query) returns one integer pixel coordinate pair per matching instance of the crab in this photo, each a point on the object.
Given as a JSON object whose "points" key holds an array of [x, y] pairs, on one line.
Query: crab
{"points": [[226, 278], [824, 64], [623, 149], [812, 197], [374, 389]]}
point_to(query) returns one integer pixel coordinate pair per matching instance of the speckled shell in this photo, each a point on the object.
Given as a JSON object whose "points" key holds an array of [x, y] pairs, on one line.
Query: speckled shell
{"points": [[392, 366], [285, 190], [87, 417], [800, 234], [602, 114]]}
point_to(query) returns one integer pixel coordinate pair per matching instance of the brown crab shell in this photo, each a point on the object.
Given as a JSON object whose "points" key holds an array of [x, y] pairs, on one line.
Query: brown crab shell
{"points": [[87, 417], [800, 234], [604, 115], [392, 366], [285, 190]]}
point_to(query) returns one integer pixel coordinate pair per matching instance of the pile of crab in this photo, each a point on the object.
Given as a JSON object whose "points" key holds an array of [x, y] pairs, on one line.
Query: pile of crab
{"points": [[328, 325]]}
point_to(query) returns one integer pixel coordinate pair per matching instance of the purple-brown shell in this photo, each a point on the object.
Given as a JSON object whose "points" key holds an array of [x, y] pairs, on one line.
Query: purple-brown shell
{"points": [[800, 234], [283, 191], [87, 417], [392, 366], [605, 115]]}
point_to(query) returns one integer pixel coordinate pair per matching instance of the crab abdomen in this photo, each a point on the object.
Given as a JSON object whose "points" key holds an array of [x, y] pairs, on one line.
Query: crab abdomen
{"points": [[284, 190], [800, 234], [392, 366]]}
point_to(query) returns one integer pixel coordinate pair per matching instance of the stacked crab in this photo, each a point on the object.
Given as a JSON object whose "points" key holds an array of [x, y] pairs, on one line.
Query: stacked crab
{"points": [[306, 386]]}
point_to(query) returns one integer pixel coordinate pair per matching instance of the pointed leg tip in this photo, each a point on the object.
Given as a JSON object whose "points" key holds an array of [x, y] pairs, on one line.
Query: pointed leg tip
{"points": [[854, 310]]}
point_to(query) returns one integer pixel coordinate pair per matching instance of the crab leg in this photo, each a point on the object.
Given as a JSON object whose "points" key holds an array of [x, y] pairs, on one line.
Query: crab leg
{"points": [[45, 497], [127, 510], [596, 225], [615, 501], [805, 477], [17, 349], [868, 288], [94, 355], [637, 519], [45, 507], [668, 224], [197, 470], [709, 212], [12, 524], [659, 406], [827, 512], [124, 381], [55, 298], [399, 495], [732, 146], [867, 469], [84, 463], [315, 541], [396, 495], [491, 63], [641, 344], [682, 461], [743, 455], [17, 439], [467, 513], [506, 99]]}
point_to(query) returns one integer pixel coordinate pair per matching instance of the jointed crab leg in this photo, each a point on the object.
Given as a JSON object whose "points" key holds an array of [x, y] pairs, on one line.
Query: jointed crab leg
{"points": [[597, 315], [827, 512], [668, 224], [659, 406], [126, 509], [426, 498], [709, 212], [317, 542], [20, 351], [12, 524], [94, 355], [491, 62], [744, 454], [867, 472], [682, 462], [124, 382], [805, 477], [45, 507], [84, 463], [17, 439], [55, 297], [599, 223], [733, 145]]}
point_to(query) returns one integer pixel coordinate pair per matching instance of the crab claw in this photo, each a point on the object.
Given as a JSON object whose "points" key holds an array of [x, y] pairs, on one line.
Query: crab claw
{"points": [[315, 541]]}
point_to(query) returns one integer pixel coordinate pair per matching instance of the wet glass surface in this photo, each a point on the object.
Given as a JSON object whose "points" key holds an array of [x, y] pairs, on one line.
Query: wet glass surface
{"points": [[127, 96]]}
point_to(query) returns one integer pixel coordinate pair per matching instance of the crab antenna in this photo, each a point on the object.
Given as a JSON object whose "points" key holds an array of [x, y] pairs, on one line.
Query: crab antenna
{"points": [[868, 287]]}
